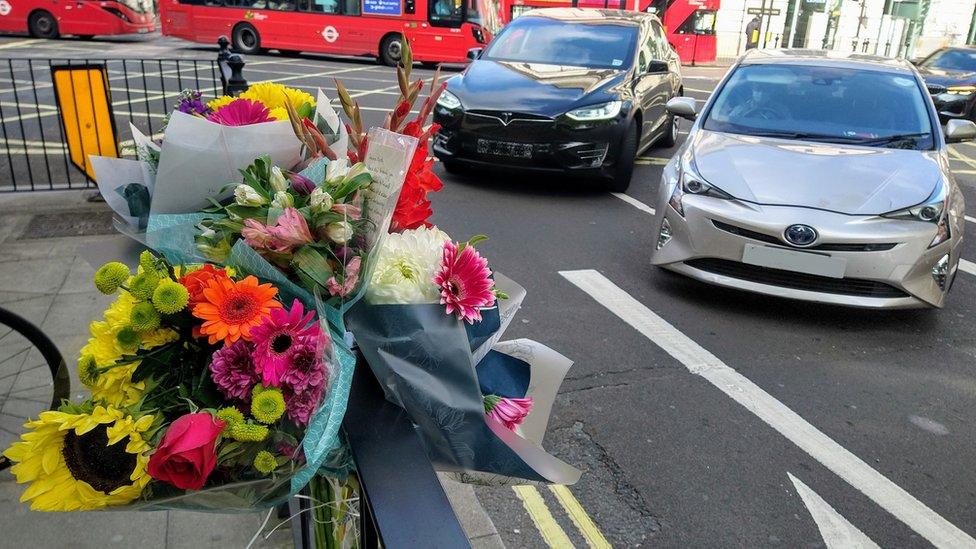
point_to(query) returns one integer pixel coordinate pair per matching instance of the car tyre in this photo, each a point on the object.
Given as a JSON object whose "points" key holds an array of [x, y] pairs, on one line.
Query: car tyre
{"points": [[42, 25], [670, 136], [624, 169], [391, 47], [246, 39]]}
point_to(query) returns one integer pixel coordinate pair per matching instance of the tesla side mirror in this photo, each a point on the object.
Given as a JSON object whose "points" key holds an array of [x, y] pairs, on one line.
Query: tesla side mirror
{"points": [[474, 53], [655, 66], [957, 131], [684, 107]]}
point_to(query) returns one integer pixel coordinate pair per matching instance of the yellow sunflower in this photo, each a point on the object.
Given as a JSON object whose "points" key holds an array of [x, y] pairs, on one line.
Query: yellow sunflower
{"points": [[82, 461]]}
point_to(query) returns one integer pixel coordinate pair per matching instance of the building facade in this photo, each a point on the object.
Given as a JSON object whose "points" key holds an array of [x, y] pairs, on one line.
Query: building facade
{"points": [[899, 28]]}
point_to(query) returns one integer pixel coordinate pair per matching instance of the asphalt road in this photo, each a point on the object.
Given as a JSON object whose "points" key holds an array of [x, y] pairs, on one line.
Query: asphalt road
{"points": [[690, 407]]}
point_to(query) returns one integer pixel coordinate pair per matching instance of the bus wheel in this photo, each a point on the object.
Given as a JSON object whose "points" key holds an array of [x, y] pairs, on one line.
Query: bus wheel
{"points": [[246, 39], [390, 49], [42, 25]]}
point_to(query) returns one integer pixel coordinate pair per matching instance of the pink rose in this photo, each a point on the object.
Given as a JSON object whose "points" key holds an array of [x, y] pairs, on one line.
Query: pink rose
{"points": [[187, 453]]}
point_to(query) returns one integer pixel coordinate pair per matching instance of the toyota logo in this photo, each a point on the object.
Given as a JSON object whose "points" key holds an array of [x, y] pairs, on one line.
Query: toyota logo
{"points": [[800, 235]]}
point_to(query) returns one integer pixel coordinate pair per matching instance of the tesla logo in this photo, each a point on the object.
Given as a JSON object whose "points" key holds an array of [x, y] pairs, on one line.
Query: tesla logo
{"points": [[4, 7], [800, 235], [330, 34]]}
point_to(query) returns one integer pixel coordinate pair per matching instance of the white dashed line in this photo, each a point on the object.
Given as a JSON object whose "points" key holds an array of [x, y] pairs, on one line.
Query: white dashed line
{"points": [[777, 415]]}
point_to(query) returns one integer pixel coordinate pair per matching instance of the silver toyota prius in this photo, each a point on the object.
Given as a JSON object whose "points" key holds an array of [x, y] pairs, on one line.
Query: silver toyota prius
{"points": [[815, 176]]}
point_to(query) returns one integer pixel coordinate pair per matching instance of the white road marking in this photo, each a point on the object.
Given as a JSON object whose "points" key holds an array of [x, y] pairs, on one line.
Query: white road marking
{"points": [[777, 415], [17, 44], [971, 219], [634, 202], [836, 531], [967, 266]]}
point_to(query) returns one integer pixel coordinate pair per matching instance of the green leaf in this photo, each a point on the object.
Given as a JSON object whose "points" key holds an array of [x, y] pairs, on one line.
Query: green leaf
{"points": [[476, 239], [310, 263]]}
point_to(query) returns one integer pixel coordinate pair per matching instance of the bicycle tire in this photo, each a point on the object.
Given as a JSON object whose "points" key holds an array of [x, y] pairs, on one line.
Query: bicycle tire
{"points": [[60, 381]]}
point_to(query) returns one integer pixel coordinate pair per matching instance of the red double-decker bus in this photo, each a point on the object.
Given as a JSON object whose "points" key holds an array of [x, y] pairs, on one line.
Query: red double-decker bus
{"points": [[438, 30], [83, 18], [690, 24]]}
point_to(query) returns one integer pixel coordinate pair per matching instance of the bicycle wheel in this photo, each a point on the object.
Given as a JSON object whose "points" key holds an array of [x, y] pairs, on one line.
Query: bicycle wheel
{"points": [[33, 376]]}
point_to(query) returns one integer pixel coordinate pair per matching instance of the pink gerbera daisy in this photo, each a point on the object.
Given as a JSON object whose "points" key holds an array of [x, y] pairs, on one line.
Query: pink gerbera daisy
{"points": [[510, 411], [275, 341], [241, 112], [465, 282]]}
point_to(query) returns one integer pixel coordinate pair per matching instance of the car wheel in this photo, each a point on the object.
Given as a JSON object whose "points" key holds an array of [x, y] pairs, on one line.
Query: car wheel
{"points": [[670, 136], [246, 39], [391, 48], [624, 168], [42, 25]]}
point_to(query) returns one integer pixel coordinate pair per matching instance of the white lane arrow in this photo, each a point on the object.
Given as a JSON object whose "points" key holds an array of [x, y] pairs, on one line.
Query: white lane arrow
{"points": [[836, 531]]}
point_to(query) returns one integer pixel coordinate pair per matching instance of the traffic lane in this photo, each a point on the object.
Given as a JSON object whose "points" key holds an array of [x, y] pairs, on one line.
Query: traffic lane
{"points": [[608, 357]]}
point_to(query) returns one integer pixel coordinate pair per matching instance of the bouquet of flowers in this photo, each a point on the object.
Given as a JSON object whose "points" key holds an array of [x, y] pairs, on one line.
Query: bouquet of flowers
{"points": [[205, 388], [429, 328]]}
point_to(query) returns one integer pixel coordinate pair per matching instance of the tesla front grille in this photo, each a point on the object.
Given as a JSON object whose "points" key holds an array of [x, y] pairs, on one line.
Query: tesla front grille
{"points": [[796, 281], [826, 247], [507, 118]]}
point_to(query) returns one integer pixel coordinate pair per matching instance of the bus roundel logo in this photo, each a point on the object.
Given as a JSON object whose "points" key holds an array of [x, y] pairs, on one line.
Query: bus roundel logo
{"points": [[330, 34], [4, 7]]}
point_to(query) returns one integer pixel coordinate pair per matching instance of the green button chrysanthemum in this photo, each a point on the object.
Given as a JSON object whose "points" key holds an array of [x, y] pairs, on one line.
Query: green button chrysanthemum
{"points": [[265, 462], [88, 370], [144, 317], [231, 416], [147, 261], [248, 432], [110, 276], [170, 297], [268, 405], [128, 339], [144, 284]]}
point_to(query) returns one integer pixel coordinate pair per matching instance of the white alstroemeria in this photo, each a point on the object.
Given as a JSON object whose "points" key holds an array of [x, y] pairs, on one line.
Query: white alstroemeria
{"points": [[320, 200], [405, 266], [339, 232], [245, 195], [277, 180], [283, 200], [336, 169]]}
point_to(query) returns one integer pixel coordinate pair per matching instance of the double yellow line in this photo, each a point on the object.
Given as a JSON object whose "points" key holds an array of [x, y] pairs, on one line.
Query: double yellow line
{"points": [[545, 522]]}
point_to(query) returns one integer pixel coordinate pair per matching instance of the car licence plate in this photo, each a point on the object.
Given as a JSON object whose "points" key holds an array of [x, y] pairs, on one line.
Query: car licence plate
{"points": [[143, 31], [504, 148], [792, 260]]}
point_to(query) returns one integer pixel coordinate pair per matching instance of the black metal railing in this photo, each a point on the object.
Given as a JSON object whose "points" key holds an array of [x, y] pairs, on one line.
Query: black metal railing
{"points": [[34, 150]]}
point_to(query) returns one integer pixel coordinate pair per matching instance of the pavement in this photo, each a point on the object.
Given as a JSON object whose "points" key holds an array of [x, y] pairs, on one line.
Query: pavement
{"points": [[700, 416]]}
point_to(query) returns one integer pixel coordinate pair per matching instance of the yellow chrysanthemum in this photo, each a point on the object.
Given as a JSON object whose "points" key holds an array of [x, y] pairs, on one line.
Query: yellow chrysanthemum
{"points": [[274, 95], [115, 387], [84, 461], [279, 113], [215, 104]]}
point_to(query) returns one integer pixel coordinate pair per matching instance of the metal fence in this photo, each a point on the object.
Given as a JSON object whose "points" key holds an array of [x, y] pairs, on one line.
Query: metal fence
{"points": [[34, 150]]}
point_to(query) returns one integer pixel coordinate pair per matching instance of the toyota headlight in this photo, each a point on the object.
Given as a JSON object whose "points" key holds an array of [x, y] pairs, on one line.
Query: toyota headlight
{"points": [[691, 182], [935, 210], [603, 111], [449, 101]]}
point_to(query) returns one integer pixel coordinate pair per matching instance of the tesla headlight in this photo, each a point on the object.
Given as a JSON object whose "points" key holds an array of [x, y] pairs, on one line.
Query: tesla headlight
{"points": [[603, 111], [449, 101], [935, 210], [961, 90], [691, 182]]}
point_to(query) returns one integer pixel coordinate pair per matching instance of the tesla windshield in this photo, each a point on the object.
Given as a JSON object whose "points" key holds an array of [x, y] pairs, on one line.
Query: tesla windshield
{"points": [[829, 104], [952, 60], [543, 40]]}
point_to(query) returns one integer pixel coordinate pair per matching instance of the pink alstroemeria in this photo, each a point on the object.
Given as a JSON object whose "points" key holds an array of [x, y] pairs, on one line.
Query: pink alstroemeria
{"points": [[348, 281], [351, 211], [510, 411], [289, 232], [465, 282]]}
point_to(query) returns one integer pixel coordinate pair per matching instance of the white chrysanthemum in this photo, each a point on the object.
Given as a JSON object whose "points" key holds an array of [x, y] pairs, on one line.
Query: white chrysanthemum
{"points": [[405, 268]]}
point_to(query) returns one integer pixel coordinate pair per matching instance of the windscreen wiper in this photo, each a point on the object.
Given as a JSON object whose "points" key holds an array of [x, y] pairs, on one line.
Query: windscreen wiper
{"points": [[907, 138]]}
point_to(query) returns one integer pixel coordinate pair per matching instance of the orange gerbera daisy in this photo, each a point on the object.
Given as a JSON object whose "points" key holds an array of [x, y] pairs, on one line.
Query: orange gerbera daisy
{"points": [[230, 309]]}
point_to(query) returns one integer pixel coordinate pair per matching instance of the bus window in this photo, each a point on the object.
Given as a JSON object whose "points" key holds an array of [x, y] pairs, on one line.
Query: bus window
{"points": [[352, 7], [446, 13], [319, 6], [701, 22]]}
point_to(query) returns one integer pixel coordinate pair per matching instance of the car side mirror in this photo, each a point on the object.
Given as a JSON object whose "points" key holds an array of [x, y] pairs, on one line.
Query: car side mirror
{"points": [[474, 53], [684, 107], [957, 131], [655, 66]]}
